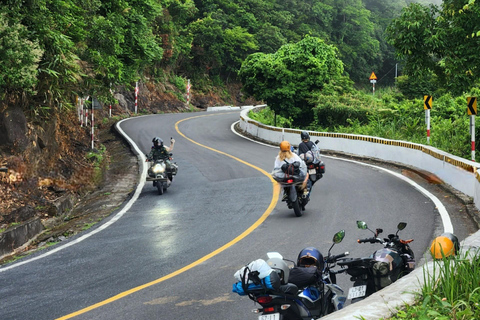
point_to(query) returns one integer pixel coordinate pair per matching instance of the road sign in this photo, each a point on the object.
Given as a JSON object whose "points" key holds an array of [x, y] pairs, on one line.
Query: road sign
{"points": [[427, 102], [472, 106], [373, 76]]}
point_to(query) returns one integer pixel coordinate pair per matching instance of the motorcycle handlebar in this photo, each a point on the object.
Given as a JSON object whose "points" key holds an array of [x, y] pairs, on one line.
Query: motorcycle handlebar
{"points": [[371, 240], [338, 256]]}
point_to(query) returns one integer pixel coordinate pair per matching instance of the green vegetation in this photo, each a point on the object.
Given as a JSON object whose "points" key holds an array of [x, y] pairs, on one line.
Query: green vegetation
{"points": [[97, 157], [451, 291], [287, 78], [390, 115], [87, 226]]}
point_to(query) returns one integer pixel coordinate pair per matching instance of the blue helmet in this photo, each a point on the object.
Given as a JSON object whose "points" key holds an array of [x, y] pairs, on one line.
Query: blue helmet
{"points": [[310, 256]]}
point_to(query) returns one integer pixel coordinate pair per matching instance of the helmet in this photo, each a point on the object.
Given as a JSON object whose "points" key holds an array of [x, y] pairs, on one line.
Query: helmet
{"points": [[304, 135], [307, 156], [280, 267], [285, 146], [444, 246], [158, 141], [310, 256]]}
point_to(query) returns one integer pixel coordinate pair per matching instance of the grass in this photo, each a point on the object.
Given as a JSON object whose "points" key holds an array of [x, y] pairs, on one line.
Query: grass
{"points": [[450, 291]]}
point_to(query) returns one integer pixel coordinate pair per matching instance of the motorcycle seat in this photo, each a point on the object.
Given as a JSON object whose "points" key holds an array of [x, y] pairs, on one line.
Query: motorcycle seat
{"points": [[289, 288]]}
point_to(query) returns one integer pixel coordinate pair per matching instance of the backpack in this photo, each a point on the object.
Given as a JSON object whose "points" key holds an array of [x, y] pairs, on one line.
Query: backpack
{"points": [[291, 169], [255, 278], [304, 276]]}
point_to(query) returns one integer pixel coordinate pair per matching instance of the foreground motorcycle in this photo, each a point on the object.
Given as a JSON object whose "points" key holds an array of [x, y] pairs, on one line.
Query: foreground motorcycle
{"points": [[160, 173], [383, 267], [280, 299]]}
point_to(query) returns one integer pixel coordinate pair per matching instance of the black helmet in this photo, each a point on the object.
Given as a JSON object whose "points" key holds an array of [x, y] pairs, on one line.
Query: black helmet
{"points": [[310, 256], [304, 135], [158, 141]]}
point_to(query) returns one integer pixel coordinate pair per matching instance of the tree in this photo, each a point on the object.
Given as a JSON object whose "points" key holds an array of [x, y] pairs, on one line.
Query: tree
{"points": [[19, 58], [287, 79], [441, 41]]}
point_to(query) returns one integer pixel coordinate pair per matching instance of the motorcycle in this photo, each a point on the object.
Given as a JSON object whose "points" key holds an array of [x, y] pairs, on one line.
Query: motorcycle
{"points": [[383, 267], [315, 170], [161, 174], [289, 177], [290, 301], [296, 199]]}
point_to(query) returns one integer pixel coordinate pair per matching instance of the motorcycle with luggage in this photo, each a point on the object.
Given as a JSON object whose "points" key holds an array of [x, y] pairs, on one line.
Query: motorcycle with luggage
{"points": [[385, 266], [315, 165], [311, 294], [161, 173], [292, 182]]}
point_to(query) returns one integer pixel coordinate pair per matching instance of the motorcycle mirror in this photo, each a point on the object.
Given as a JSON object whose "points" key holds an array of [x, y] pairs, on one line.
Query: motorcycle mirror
{"points": [[401, 225], [338, 237], [272, 255], [362, 225]]}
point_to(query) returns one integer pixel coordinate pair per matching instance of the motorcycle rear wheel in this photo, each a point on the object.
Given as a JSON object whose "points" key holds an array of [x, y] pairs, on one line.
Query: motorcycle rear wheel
{"points": [[296, 208]]}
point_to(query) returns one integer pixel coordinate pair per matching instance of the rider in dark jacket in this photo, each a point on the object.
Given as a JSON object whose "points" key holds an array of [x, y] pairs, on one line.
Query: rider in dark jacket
{"points": [[159, 151], [307, 151]]}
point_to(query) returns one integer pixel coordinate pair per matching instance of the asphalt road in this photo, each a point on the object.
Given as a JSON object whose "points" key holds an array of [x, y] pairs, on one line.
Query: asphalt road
{"points": [[173, 256]]}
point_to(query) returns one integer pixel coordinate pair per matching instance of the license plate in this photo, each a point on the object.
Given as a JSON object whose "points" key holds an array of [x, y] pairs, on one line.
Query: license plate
{"points": [[311, 171], [357, 292], [271, 316]]}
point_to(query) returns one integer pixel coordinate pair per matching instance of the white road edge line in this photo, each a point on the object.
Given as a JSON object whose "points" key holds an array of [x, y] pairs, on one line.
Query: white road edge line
{"points": [[105, 225]]}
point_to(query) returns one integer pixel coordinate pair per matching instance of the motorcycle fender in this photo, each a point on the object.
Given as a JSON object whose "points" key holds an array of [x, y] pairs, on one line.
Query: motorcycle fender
{"points": [[292, 195], [161, 179], [338, 296]]}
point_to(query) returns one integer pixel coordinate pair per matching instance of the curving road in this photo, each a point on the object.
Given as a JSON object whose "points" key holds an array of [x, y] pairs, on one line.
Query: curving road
{"points": [[174, 256]]}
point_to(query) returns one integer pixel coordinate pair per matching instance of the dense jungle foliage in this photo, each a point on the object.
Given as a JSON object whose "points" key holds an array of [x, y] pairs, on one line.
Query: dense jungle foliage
{"points": [[309, 60], [52, 50]]}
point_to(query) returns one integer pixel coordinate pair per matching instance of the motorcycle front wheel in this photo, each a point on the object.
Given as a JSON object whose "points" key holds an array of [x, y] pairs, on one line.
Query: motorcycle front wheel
{"points": [[160, 187]]}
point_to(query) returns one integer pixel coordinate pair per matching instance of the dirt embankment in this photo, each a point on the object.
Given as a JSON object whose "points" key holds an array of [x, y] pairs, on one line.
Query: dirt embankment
{"points": [[54, 175]]}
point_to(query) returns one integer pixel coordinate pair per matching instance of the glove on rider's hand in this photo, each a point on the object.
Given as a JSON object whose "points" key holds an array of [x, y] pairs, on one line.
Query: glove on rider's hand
{"points": [[172, 141]]}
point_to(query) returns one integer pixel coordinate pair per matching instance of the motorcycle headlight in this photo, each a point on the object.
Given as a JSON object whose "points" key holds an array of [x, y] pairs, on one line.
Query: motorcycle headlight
{"points": [[158, 168], [381, 268]]}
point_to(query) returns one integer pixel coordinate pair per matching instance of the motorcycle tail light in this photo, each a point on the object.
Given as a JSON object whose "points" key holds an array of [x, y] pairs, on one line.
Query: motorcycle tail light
{"points": [[264, 299], [322, 167], [289, 180], [268, 310]]}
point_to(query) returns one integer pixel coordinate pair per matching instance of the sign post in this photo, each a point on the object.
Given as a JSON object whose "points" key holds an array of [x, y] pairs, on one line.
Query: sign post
{"points": [[373, 80], [188, 93], [427, 105], [472, 112], [136, 96]]}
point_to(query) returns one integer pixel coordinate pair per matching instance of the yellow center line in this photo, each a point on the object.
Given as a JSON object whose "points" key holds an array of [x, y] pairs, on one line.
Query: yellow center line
{"points": [[276, 192]]}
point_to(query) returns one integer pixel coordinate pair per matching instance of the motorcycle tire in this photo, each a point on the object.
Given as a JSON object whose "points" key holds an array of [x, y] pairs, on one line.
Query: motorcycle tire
{"points": [[160, 188], [296, 208]]}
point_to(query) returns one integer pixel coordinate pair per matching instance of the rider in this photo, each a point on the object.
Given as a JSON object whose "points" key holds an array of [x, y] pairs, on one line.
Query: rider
{"points": [[286, 155], [307, 150], [160, 151]]}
